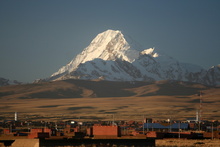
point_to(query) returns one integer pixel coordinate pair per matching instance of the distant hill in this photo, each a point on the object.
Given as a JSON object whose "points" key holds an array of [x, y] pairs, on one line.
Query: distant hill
{"points": [[5, 82], [82, 88], [98, 100]]}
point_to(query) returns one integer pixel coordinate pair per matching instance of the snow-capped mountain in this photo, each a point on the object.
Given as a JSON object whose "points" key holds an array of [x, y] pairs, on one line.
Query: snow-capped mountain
{"points": [[5, 82], [115, 57], [109, 45]]}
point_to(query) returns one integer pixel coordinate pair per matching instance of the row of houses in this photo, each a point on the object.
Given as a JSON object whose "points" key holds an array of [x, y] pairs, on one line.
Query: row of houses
{"points": [[148, 129], [132, 129]]}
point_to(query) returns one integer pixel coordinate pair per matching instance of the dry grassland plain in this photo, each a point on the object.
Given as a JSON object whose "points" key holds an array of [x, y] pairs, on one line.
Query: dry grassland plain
{"points": [[142, 103]]}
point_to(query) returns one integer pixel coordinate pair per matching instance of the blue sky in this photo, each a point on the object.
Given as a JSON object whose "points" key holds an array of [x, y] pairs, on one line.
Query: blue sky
{"points": [[39, 37]]}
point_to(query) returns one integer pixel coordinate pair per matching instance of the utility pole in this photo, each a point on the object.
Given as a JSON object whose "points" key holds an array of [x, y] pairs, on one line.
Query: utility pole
{"points": [[113, 116], [212, 131], [179, 129], [200, 110], [147, 126], [170, 124], [143, 124]]}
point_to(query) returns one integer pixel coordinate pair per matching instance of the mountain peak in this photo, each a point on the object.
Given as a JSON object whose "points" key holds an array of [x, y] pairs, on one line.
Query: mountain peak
{"points": [[111, 32], [106, 36], [108, 41], [108, 45]]}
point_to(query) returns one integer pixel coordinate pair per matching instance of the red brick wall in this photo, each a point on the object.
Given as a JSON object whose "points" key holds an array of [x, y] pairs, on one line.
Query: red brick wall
{"points": [[106, 130], [34, 132], [152, 134], [89, 131]]}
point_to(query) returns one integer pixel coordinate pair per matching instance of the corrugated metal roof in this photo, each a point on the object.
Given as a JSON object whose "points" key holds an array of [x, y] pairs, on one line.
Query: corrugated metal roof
{"points": [[160, 126]]}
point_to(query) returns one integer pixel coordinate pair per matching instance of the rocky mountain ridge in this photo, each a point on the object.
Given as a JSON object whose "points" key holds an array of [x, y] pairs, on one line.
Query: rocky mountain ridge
{"points": [[5, 82]]}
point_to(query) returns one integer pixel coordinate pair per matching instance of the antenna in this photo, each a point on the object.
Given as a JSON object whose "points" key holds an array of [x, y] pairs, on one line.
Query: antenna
{"points": [[200, 111], [200, 106]]}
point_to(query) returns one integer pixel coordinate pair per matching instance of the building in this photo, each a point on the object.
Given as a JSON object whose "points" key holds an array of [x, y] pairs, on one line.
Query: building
{"points": [[162, 127], [40, 133], [106, 131]]}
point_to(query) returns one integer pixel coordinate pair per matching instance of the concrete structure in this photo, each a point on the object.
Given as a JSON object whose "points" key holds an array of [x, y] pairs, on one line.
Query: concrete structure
{"points": [[70, 131], [148, 120]]}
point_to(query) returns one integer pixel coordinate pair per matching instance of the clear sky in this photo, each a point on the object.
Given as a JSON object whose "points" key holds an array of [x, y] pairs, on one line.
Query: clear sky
{"points": [[37, 37]]}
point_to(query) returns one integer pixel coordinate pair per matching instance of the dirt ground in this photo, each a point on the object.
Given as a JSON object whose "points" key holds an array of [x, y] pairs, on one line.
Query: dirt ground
{"points": [[187, 143]]}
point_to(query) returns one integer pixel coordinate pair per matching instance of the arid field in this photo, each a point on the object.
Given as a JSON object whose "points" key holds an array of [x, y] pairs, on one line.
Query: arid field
{"points": [[187, 143], [97, 100]]}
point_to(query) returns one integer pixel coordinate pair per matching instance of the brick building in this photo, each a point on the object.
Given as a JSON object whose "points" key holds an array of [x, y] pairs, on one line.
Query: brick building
{"points": [[110, 131]]}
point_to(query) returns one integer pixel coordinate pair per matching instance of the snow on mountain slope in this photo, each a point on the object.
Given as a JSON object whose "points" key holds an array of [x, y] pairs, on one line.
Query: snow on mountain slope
{"points": [[115, 57], [109, 45], [213, 76]]}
